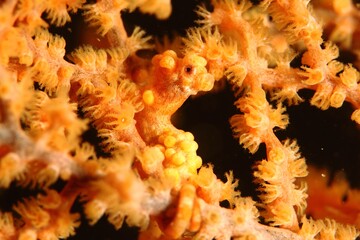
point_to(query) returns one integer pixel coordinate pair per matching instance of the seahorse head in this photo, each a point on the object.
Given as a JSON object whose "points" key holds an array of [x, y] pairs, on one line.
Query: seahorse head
{"points": [[188, 74]]}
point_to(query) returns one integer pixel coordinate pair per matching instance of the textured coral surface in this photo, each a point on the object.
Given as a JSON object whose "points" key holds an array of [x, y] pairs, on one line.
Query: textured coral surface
{"points": [[109, 131]]}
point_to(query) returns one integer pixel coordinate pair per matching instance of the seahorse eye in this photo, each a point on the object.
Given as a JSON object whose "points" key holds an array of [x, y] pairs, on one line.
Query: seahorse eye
{"points": [[189, 69]]}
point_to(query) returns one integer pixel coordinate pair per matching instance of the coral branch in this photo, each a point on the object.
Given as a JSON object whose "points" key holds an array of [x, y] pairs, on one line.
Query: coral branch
{"points": [[139, 168]]}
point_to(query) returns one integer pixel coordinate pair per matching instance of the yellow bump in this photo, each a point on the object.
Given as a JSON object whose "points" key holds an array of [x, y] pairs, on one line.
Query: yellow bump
{"points": [[189, 136], [178, 159], [169, 152], [172, 176], [26, 59], [194, 163], [181, 136], [196, 60], [169, 141], [170, 53], [66, 72], [160, 147], [194, 146], [167, 62], [161, 138], [197, 162], [185, 145], [148, 97], [189, 146]]}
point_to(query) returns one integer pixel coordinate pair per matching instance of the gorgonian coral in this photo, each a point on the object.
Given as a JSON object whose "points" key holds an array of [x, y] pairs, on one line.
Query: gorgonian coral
{"points": [[143, 170]]}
